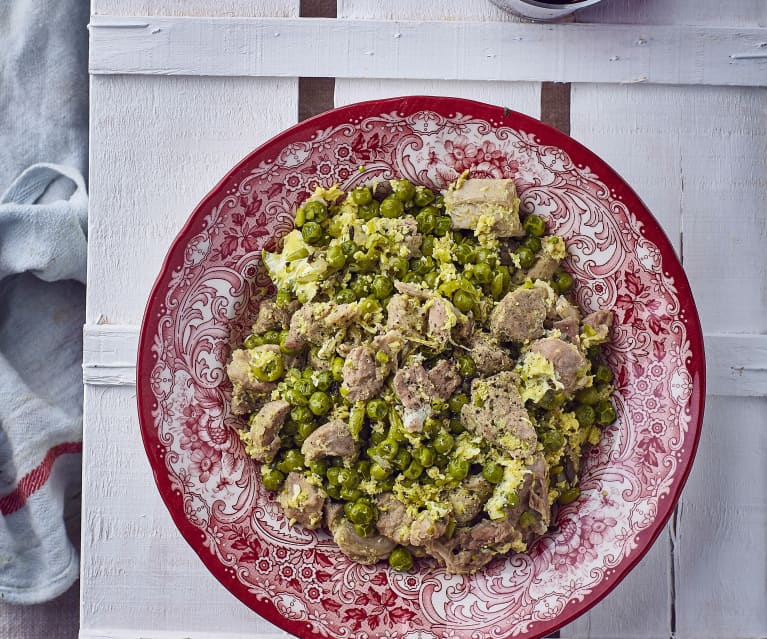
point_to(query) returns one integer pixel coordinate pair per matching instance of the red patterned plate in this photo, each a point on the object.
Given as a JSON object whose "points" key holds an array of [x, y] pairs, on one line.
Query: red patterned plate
{"points": [[208, 292]]}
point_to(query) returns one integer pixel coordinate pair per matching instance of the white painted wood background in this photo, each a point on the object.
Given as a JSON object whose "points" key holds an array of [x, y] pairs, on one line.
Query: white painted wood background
{"points": [[697, 154]]}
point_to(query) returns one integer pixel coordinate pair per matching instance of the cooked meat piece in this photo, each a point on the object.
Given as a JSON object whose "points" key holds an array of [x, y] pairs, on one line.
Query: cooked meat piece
{"points": [[414, 386], [412, 240], [302, 501], [390, 343], [318, 363], [314, 323], [444, 322], [496, 409], [244, 402], [342, 315], [365, 550], [519, 315], [469, 498], [330, 440], [240, 374], [569, 328], [405, 314], [563, 309], [601, 322], [487, 354], [426, 528], [411, 289], [538, 498], [485, 199], [272, 317], [569, 363], [545, 266], [393, 520], [445, 378], [263, 441], [456, 557], [364, 374]]}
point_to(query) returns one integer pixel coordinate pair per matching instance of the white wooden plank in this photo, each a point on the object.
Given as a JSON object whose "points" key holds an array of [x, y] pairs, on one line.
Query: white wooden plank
{"points": [[457, 50], [721, 528], [207, 8], [743, 13], [158, 145], [138, 573]]}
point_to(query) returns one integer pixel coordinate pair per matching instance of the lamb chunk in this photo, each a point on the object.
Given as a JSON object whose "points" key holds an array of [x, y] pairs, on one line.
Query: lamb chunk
{"points": [[405, 314], [445, 378], [457, 559], [426, 528], [240, 373], [393, 520], [519, 315], [569, 363], [538, 497], [443, 320], [363, 374], [244, 402], [406, 288], [342, 315], [413, 239], [272, 317], [414, 387], [568, 327], [302, 501], [468, 499], [364, 550], [489, 357], [332, 439], [317, 322], [564, 309], [600, 322], [496, 409], [262, 441], [543, 269], [390, 343], [481, 199]]}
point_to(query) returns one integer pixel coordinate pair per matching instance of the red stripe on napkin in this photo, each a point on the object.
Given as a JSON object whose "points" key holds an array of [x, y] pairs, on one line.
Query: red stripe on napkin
{"points": [[35, 479]]}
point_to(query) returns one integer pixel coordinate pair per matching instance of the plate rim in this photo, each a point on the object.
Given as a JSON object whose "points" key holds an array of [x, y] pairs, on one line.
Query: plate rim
{"points": [[502, 116]]}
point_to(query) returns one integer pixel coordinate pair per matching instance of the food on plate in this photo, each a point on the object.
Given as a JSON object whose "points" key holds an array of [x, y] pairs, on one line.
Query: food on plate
{"points": [[423, 383]]}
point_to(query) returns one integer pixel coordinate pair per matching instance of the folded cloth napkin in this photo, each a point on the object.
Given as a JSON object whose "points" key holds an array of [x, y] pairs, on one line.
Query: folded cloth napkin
{"points": [[42, 272]]}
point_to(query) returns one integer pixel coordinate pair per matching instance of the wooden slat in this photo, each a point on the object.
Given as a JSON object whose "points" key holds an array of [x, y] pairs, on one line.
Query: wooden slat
{"points": [[319, 47]]}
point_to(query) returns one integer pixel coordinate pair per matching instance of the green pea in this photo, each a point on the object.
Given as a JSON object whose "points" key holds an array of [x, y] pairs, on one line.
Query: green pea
{"points": [[534, 225], [422, 265], [324, 380], [486, 256], [528, 519], [348, 508], [466, 366], [388, 449], [402, 459], [458, 469], [399, 266], [464, 254], [360, 287], [497, 287], [463, 301], [305, 429], [369, 305], [319, 467], [603, 374], [311, 232], [431, 426], [346, 296], [320, 403], [316, 210], [533, 243], [271, 337], [363, 468], [378, 472], [377, 409], [425, 456], [526, 257], [271, 478], [301, 414], [512, 500], [605, 413], [349, 248], [439, 202], [334, 492], [392, 207], [404, 190], [551, 400], [585, 415], [305, 386], [427, 219], [414, 470], [401, 559], [456, 426], [361, 512], [563, 281], [293, 397], [283, 345], [569, 496], [345, 477], [362, 195], [289, 428], [336, 368], [443, 226], [443, 442], [300, 218], [552, 441], [251, 341], [588, 396], [293, 461], [350, 494], [335, 257], [364, 530], [492, 472], [427, 245], [411, 278], [423, 196], [283, 298], [457, 402], [483, 273], [381, 287], [370, 210], [270, 371], [333, 475]]}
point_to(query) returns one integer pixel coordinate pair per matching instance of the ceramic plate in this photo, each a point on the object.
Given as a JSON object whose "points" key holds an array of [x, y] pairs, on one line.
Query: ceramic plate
{"points": [[208, 293]]}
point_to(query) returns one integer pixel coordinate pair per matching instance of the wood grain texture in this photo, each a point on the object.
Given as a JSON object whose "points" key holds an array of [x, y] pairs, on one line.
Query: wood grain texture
{"points": [[712, 13], [206, 8], [320, 47]]}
